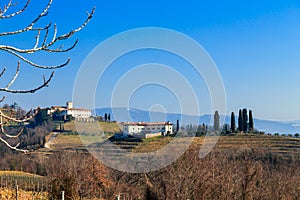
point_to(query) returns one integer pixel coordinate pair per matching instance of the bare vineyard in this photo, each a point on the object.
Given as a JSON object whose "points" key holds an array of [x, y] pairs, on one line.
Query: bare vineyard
{"points": [[23, 187]]}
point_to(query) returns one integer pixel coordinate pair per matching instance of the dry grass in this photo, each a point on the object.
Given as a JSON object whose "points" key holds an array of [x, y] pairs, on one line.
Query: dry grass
{"points": [[9, 194], [67, 142], [17, 173]]}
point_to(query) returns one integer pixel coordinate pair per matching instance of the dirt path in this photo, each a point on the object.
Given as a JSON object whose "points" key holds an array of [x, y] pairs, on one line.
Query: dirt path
{"points": [[50, 141]]}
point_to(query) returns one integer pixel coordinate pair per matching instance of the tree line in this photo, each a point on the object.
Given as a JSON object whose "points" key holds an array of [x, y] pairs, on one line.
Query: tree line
{"points": [[105, 118], [245, 122]]}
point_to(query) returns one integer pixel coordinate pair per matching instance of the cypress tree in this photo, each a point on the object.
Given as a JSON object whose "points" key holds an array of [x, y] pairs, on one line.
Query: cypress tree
{"points": [[232, 124], [216, 121], [245, 120], [251, 124], [177, 125], [240, 121], [105, 117], [204, 128]]}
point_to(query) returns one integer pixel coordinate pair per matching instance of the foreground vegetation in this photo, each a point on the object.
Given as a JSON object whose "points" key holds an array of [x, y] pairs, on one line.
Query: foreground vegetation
{"points": [[241, 166]]}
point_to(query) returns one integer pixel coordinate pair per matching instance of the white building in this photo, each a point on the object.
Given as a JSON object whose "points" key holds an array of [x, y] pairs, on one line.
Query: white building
{"points": [[147, 129], [69, 110]]}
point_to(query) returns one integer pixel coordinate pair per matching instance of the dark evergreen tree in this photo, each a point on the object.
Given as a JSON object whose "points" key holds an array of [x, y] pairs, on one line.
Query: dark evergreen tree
{"points": [[204, 127], [240, 121], [105, 117], [232, 124], [251, 124], [216, 121], [245, 120], [108, 117], [226, 129], [177, 125], [199, 131], [41, 117]]}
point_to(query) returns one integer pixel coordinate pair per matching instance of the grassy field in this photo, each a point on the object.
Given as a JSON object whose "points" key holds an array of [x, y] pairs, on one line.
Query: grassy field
{"points": [[106, 127]]}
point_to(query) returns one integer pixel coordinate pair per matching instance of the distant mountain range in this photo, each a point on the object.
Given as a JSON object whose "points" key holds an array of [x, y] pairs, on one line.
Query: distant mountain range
{"points": [[129, 115]]}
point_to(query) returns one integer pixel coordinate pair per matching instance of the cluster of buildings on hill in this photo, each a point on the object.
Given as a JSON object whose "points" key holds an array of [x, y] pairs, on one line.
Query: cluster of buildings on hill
{"points": [[79, 114], [137, 129]]}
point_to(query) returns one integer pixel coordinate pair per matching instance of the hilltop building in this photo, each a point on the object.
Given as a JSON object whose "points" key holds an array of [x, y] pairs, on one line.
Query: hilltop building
{"points": [[147, 129], [77, 113]]}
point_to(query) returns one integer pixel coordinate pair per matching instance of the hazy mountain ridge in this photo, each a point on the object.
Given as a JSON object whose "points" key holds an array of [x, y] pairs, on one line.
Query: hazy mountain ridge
{"points": [[125, 114]]}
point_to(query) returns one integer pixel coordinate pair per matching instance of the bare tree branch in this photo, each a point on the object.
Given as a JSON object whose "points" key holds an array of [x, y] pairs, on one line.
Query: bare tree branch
{"points": [[41, 43], [13, 147], [45, 84]]}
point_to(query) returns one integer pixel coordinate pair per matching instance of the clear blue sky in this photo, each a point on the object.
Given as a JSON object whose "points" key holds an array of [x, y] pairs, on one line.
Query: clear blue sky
{"points": [[255, 44]]}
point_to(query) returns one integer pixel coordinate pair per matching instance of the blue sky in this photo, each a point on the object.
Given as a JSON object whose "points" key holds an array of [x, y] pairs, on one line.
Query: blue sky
{"points": [[255, 45]]}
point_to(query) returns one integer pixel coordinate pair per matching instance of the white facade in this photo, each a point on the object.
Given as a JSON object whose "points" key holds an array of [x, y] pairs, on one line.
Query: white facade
{"points": [[69, 110], [136, 128], [77, 113]]}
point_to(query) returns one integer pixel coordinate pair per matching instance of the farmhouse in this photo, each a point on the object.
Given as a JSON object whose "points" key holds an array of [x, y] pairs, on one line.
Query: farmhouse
{"points": [[147, 129], [77, 113]]}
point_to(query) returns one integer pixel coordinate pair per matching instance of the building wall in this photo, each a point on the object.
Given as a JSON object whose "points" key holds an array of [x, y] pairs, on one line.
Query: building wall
{"points": [[78, 113], [69, 104], [137, 128]]}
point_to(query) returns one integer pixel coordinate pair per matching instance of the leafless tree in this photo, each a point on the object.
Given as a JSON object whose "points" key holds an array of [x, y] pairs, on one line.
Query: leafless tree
{"points": [[42, 42]]}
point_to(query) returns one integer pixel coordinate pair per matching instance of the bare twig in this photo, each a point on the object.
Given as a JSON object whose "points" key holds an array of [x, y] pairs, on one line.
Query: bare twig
{"points": [[45, 84], [2, 14]]}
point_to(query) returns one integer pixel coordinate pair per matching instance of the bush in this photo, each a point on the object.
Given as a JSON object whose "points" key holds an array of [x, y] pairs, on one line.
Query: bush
{"points": [[78, 175]]}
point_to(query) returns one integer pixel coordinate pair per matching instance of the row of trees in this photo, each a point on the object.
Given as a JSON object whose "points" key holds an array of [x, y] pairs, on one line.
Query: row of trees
{"points": [[245, 122], [107, 117]]}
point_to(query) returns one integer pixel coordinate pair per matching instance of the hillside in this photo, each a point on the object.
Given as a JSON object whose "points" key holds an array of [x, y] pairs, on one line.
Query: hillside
{"points": [[124, 114], [277, 144], [282, 145], [88, 133]]}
